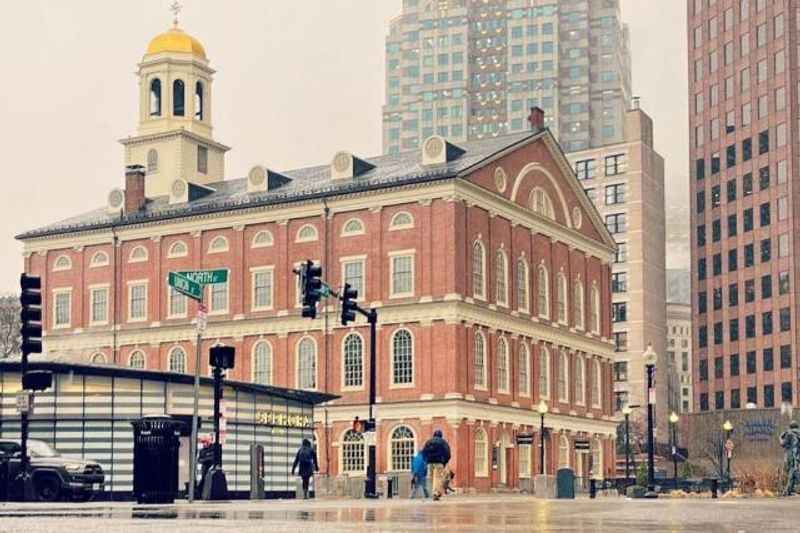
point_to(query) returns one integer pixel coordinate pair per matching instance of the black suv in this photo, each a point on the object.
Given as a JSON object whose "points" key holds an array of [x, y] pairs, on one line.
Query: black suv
{"points": [[55, 476]]}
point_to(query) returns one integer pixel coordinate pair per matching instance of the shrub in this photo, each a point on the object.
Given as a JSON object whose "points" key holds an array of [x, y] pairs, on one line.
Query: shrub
{"points": [[641, 475], [759, 478]]}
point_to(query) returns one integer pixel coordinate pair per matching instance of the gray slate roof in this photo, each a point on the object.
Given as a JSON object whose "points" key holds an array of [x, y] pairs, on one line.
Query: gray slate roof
{"points": [[307, 183]]}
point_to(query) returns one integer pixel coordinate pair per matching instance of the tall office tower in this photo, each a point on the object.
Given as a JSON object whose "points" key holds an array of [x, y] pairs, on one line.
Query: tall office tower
{"points": [[471, 69], [743, 76]]}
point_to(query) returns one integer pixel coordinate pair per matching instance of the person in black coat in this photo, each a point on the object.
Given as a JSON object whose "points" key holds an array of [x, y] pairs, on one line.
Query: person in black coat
{"points": [[306, 461], [437, 454]]}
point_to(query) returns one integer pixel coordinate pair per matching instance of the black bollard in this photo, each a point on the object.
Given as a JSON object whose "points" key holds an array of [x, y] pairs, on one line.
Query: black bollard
{"points": [[714, 487], [592, 488]]}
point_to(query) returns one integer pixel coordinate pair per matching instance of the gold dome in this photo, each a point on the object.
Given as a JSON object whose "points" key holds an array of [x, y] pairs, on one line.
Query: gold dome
{"points": [[176, 40]]}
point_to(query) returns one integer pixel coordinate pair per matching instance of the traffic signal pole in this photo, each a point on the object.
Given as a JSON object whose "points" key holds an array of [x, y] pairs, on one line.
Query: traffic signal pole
{"points": [[372, 318]]}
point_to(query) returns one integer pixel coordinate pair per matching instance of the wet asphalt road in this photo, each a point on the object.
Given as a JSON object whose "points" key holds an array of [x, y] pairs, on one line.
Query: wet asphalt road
{"points": [[479, 514]]}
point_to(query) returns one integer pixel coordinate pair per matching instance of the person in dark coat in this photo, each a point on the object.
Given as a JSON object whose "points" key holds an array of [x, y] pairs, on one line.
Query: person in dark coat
{"points": [[437, 454], [306, 461]]}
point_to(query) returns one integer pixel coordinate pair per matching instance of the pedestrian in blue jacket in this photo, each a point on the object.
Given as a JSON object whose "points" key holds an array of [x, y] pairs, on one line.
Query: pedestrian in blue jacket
{"points": [[419, 475]]}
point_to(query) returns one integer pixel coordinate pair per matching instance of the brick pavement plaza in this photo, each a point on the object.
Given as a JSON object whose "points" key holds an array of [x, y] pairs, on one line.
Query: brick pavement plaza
{"points": [[463, 513]]}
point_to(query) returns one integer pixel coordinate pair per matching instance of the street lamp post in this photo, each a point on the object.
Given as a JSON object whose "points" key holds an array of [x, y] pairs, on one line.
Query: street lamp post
{"points": [[542, 409], [728, 427], [673, 420], [650, 364], [627, 412]]}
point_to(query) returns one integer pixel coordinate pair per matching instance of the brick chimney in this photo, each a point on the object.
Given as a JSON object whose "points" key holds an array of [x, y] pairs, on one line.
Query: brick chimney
{"points": [[134, 188], [536, 118]]}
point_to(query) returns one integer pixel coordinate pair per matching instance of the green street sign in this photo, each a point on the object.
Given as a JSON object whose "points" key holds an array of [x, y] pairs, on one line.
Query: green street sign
{"points": [[186, 286], [206, 277], [325, 290]]}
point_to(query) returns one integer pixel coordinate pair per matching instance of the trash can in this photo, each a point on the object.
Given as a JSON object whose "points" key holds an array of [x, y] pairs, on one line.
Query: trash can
{"points": [[156, 440], [565, 483]]}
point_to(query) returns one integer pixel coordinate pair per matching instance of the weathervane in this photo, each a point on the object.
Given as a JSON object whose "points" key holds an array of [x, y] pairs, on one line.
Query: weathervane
{"points": [[175, 7]]}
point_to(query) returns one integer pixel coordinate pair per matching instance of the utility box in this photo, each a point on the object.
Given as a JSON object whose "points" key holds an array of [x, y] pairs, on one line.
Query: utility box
{"points": [[156, 441], [565, 483]]}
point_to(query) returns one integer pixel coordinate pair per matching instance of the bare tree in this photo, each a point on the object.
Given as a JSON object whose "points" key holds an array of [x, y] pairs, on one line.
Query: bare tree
{"points": [[9, 326], [714, 451]]}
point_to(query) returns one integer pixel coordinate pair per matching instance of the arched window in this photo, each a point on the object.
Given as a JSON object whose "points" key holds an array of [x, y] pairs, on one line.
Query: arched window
{"points": [[479, 360], [544, 372], [401, 220], [502, 365], [262, 363], [561, 297], [524, 460], [543, 290], [501, 271], [580, 380], [594, 313], [138, 255], [177, 360], [155, 98], [577, 303], [218, 244], [98, 359], [136, 360], [63, 262], [353, 452], [402, 358], [353, 361], [306, 233], [99, 259], [563, 377], [523, 285], [478, 270], [352, 227], [152, 161], [198, 101], [541, 203], [178, 98], [401, 449], [307, 364], [524, 363], [563, 452], [481, 453], [262, 239], [178, 249], [597, 383]]}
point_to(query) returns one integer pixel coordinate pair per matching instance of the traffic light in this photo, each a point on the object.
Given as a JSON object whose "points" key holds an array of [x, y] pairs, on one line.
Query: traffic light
{"points": [[358, 425], [349, 306], [30, 316], [311, 285]]}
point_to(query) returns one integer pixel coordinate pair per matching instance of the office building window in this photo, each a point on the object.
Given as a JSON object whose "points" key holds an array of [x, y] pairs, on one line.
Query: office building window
{"points": [[750, 362], [767, 360]]}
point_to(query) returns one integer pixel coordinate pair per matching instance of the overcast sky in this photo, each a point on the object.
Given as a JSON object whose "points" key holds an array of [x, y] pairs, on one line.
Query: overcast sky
{"points": [[296, 81]]}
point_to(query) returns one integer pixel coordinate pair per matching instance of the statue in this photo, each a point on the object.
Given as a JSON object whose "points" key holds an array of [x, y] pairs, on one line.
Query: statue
{"points": [[790, 441]]}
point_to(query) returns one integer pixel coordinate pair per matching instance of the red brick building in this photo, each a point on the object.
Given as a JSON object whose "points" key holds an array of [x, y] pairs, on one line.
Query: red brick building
{"points": [[488, 265]]}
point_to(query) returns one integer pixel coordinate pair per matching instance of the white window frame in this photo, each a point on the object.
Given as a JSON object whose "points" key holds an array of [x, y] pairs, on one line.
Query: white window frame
{"points": [[544, 372], [96, 262], [136, 283], [390, 452], [350, 472], [208, 297], [563, 369], [297, 363], [308, 238], [144, 359], [483, 385], [185, 359], [352, 259], [483, 471], [392, 383], [524, 357], [501, 297], [579, 307], [218, 245], [268, 269], [134, 251], [562, 290], [256, 345], [269, 240], [352, 232], [597, 382], [580, 372], [92, 290], [594, 315], [527, 285], [67, 265], [98, 358], [345, 387], [56, 293], [546, 286], [479, 294], [170, 295], [564, 449], [504, 389], [395, 226], [524, 451], [412, 254], [172, 253]]}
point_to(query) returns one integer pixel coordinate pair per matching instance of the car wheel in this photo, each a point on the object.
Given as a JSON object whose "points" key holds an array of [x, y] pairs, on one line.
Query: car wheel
{"points": [[48, 488]]}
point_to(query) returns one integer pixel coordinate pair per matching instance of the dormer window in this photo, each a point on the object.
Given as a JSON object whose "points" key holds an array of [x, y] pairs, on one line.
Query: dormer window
{"points": [[178, 98], [155, 98]]}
